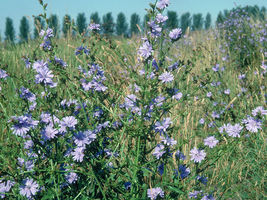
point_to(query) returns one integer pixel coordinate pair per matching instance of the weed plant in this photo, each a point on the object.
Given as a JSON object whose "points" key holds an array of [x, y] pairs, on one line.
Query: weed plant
{"points": [[161, 117]]}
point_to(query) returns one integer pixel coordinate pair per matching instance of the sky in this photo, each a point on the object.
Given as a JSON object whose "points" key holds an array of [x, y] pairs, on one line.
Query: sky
{"points": [[16, 9]]}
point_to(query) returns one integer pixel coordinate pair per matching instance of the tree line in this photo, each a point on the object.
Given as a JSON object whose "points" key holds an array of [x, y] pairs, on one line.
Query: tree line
{"points": [[121, 27]]}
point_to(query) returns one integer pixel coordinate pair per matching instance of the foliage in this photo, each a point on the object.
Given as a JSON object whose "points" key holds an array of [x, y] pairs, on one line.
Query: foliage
{"points": [[197, 22], [121, 25], [81, 23], [95, 18], [9, 31], [53, 23], [66, 26], [24, 29], [185, 21], [244, 36], [208, 21], [134, 23], [108, 24], [172, 21]]}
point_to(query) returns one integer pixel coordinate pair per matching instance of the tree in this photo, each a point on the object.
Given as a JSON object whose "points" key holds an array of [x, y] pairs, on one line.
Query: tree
{"points": [[10, 31], [208, 21], [172, 21], [54, 24], [220, 18], [263, 13], [226, 13], [24, 29], [95, 18], [197, 22], [38, 26], [66, 25], [185, 21], [81, 22], [108, 24], [135, 20], [121, 26]]}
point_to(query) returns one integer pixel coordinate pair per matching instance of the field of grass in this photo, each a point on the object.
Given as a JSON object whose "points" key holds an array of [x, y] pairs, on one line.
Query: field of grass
{"points": [[130, 150]]}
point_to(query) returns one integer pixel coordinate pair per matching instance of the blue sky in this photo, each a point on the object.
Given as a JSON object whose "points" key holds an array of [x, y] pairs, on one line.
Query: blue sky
{"points": [[16, 9]]}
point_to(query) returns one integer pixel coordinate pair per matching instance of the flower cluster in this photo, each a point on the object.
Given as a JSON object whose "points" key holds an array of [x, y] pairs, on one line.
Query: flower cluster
{"points": [[46, 35]]}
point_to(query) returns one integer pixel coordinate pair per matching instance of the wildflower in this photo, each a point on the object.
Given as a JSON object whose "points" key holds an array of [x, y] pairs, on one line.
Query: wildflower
{"points": [[23, 124], [130, 101], [216, 68], [175, 34], [197, 155], [60, 62], [173, 66], [202, 179], [28, 164], [166, 77], [161, 169], [153, 193], [163, 4], [227, 91], [27, 95], [180, 155], [159, 100], [45, 76], [83, 138], [47, 34], [29, 188], [145, 50], [39, 64], [5, 187], [208, 197], [242, 76], [209, 94], [81, 49], [71, 177], [155, 28], [159, 151], [259, 110], [160, 18], [127, 185], [46, 45], [69, 121], [211, 124], [94, 26], [3, 74], [211, 141], [155, 65], [27, 62], [49, 132], [46, 118], [78, 154], [28, 144], [233, 130], [215, 115], [252, 125], [184, 171], [168, 141], [162, 126], [194, 194], [177, 96], [202, 121]]}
